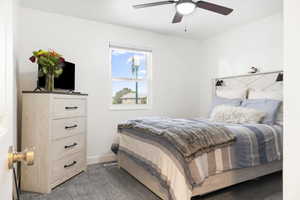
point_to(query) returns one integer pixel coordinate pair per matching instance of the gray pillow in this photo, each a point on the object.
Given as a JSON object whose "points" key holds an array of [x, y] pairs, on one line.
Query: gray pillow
{"points": [[224, 101], [269, 106]]}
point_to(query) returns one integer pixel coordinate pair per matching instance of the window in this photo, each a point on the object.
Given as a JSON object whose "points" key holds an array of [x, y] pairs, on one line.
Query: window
{"points": [[130, 75]]}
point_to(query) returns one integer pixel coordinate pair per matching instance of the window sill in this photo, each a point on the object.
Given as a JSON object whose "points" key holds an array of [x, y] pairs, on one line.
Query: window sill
{"points": [[126, 107]]}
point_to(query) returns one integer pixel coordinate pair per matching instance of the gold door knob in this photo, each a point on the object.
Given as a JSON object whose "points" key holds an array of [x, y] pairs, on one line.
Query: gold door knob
{"points": [[26, 156]]}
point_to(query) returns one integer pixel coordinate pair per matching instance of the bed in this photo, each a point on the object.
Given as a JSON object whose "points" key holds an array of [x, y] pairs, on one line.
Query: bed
{"points": [[176, 171]]}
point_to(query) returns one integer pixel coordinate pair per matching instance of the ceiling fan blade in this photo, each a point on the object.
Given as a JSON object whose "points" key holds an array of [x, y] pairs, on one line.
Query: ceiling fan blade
{"points": [[153, 4], [177, 18], [214, 7]]}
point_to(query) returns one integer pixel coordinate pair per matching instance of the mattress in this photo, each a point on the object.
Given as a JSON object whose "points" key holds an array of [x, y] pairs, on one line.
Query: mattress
{"points": [[256, 144]]}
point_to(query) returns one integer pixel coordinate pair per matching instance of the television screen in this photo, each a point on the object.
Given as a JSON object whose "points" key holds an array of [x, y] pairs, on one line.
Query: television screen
{"points": [[66, 81]]}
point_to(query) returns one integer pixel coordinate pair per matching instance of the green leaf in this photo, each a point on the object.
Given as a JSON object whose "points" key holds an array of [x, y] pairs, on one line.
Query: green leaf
{"points": [[35, 53], [58, 72], [51, 62], [45, 70]]}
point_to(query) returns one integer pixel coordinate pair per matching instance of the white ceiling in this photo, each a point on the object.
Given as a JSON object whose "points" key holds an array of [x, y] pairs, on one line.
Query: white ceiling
{"points": [[201, 24]]}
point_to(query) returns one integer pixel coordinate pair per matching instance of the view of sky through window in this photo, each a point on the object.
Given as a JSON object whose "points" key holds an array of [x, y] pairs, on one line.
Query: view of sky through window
{"points": [[129, 77]]}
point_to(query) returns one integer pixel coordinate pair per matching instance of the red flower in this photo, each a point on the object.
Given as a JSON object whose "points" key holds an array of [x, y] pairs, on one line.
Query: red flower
{"points": [[32, 59], [62, 59]]}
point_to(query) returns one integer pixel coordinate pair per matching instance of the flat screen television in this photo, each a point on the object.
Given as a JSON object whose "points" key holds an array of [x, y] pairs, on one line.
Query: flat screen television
{"points": [[66, 81]]}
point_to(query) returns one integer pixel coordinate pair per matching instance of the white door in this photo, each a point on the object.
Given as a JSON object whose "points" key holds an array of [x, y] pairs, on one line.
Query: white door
{"points": [[7, 98]]}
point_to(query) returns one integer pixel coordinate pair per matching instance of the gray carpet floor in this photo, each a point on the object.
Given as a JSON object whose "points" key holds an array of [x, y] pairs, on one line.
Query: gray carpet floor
{"points": [[111, 183]]}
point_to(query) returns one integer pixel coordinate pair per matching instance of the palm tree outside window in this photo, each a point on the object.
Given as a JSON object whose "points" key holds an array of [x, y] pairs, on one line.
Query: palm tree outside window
{"points": [[135, 64]]}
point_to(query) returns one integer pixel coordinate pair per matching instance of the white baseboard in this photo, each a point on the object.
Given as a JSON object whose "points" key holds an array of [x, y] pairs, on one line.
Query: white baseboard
{"points": [[109, 157]]}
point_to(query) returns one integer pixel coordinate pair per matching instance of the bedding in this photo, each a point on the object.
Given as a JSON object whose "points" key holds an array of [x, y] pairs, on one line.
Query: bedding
{"points": [[265, 94], [270, 94], [255, 144], [232, 93], [217, 101], [269, 106], [237, 115], [189, 137]]}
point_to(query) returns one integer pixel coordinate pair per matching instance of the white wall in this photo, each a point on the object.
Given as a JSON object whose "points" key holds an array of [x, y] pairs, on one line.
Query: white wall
{"points": [[176, 70], [258, 44], [292, 98]]}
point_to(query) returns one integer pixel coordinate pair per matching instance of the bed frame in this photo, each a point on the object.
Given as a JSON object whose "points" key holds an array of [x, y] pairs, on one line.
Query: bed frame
{"points": [[211, 184], [262, 81]]}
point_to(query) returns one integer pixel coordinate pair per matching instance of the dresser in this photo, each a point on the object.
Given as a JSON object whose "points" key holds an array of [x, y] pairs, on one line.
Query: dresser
{"points": [[55, 125]]}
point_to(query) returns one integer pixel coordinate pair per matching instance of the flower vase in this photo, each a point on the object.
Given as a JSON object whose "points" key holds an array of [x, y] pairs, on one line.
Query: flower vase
{"points": [[49, 82]]}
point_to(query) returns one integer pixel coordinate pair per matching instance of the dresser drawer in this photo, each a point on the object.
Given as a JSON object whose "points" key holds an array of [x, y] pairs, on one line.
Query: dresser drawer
{"points": [[68, 127], [67, 146], [69, 107], [65, 168]]}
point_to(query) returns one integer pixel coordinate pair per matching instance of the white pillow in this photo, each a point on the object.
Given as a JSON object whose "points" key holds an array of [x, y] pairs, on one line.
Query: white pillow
{"points": [[265, 94], [232, 93], [236, 115], [271, 94]]}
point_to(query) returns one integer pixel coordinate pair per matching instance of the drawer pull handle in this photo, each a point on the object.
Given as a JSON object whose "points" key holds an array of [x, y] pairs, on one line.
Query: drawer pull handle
{"points": [[68, 127], [70, 146], [71, 108], [70, 165]]}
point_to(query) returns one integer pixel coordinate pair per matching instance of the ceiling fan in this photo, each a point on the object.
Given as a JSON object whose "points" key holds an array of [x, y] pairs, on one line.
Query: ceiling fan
{"points": [[186, 7]]}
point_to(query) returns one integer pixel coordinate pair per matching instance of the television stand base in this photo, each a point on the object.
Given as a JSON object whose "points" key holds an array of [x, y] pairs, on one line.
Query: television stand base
{"points": [[38, 88]]}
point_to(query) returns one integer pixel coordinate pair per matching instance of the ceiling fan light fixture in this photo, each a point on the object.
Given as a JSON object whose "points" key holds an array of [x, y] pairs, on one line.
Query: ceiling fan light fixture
{"points": [[186, 8]]}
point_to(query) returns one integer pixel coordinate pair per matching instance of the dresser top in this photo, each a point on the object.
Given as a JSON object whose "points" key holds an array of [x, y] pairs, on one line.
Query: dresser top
{"points": [[55, 92]]}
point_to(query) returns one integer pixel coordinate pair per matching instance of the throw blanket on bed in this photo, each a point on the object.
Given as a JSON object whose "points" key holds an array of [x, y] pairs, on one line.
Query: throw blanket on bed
{"points": [[190, 137]]}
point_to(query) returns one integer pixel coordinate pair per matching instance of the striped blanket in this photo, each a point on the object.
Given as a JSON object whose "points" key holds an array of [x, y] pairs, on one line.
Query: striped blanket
{"points": [[255, 144], [188, 136]]}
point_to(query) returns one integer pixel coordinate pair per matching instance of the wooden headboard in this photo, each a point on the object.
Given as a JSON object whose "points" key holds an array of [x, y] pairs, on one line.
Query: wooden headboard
{"points": [[259, 81]]}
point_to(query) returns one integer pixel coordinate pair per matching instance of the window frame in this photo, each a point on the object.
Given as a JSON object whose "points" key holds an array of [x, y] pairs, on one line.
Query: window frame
{"points": [[147, 79]]}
